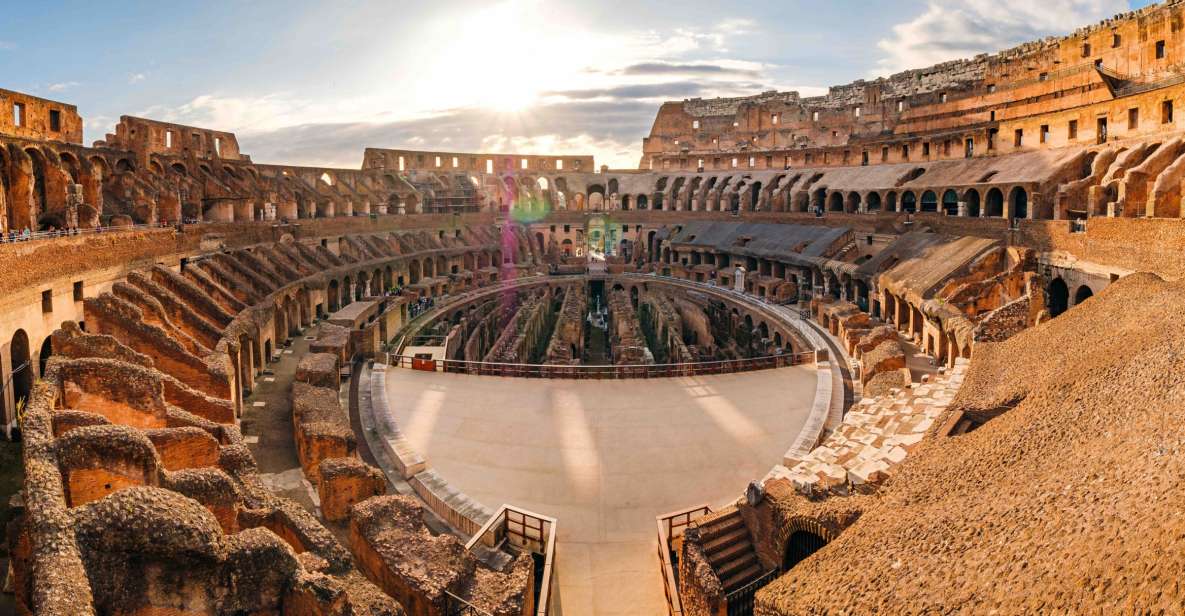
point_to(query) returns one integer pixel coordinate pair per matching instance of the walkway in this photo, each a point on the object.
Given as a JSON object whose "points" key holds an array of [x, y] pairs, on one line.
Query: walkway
{"points": [[605, 457], [267, 426]]}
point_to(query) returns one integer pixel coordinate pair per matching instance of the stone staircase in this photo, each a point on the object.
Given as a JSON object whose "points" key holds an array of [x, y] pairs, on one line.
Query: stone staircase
{"points": [[729, 549]]}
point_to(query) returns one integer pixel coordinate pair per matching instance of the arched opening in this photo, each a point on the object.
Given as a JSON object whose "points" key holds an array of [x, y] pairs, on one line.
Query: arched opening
{"points": [[1082, 294], [40, 195], [874, 202], [1057, 297], [754, 196], [1019, 200], [22, 369], [44, 355], [909, 202], [641, 202], [799, 547], [972, 199], [995, 203], [334, 296], [929, 201], [950, 203], [853, 204], [5, 183], [891, 202], [835, 202]]}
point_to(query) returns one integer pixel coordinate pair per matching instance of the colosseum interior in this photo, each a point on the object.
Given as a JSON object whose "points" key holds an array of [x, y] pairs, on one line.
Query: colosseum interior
{"points": [[912, 346]]}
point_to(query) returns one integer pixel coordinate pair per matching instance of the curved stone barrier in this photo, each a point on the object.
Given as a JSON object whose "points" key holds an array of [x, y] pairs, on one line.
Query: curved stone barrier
{"points": [[397, 458]]}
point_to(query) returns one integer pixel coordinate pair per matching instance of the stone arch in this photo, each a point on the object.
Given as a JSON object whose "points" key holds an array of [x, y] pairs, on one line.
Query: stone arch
{"points": [[950, 203], [21, 366], [334, 294], [6, 204], [43, 355], [413, 271], [1082, 294], [929, 201], [853, 204], [72, 165], [40, 192], [891, 201], [1018, 200], [800, 545], [754, 196], [835, 202], [1057, 297], [994, 203], [971, 198], [909, 202], [874, 202], [800, 538]]}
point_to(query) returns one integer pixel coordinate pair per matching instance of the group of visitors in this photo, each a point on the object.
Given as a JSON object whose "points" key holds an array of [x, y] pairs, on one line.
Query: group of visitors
{"points": [[422, 305], [27, 234]]}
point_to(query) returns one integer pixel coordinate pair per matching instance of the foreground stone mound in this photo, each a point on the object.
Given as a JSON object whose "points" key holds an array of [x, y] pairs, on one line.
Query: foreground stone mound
{"points": [[427, 573], [1063, 496]]}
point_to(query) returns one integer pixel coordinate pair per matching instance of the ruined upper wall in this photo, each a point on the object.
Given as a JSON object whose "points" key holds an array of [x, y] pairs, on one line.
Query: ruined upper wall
{"points": [[1137, 52], [146, 137], [420, 160], [29, 117]]}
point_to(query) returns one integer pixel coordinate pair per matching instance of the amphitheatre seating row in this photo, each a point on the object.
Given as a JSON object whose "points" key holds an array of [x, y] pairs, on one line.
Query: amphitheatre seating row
{"points": [[876, 435], [134, 460]]}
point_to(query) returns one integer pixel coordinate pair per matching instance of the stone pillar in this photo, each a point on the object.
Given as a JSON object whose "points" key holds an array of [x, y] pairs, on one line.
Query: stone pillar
{"points": [[962, 209], [738, 279]]}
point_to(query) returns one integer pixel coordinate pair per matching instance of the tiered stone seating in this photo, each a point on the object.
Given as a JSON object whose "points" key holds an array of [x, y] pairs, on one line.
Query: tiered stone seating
{"points": [[876, 435]]}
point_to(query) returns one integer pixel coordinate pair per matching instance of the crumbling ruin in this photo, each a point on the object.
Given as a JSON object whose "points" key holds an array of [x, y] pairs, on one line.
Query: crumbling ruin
{"points": [[981, 260]]}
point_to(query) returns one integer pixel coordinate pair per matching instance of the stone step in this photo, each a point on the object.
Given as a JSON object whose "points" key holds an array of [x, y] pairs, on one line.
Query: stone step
{"points": [[746, 560], [742, 577], [725, 540], [721, 526], [729, 552]]}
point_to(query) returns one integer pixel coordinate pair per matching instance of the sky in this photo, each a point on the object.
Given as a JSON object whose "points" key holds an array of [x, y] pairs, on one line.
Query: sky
{"points": [[314, 83]]}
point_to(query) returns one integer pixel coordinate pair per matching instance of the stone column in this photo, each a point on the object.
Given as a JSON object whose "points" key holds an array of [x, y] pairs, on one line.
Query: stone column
{"points": [[962, 209]]}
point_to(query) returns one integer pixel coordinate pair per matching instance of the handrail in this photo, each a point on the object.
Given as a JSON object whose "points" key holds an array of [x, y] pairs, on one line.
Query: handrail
{"points": [[667, 531], [546, 526], [13, 237], [609, 371]]}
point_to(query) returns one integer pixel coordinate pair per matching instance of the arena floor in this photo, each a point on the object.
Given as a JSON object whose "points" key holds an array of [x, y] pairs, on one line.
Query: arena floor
{"points": [[604, 457]]}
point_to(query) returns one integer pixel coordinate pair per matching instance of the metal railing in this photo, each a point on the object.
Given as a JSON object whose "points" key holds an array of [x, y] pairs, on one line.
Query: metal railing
{"points": [[670, 527], [456, 606], [639, 371], [14, 237], [524, 530], [740, 601]]}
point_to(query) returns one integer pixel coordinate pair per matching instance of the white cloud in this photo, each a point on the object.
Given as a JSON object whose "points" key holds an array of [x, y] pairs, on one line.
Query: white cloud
{"points": [[6, 45], [462, 98], [954, 29], [136, 78], [62, 87]]}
